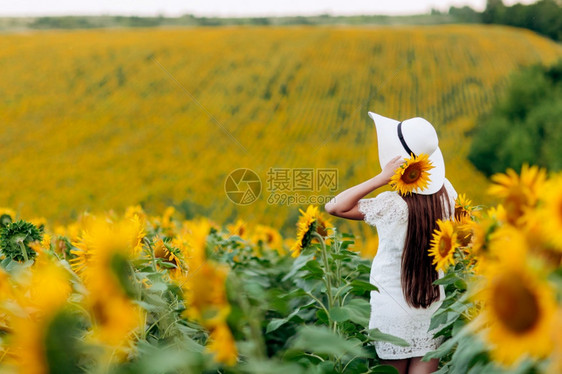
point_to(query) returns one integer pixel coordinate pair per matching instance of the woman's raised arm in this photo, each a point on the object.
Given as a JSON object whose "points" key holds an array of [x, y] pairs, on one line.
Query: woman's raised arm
{"points": [[344, 205]]}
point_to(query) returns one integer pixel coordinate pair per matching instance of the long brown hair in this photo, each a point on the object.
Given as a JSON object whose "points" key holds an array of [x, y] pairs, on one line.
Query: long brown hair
{"points": [[418, 274]]}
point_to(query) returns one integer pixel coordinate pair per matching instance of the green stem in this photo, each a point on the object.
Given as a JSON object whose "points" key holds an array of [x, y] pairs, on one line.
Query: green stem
{"points": [[151, 250], [23, 250], [327, 279], [319, 302], [337, 246], [327, 272], [253, 320]]}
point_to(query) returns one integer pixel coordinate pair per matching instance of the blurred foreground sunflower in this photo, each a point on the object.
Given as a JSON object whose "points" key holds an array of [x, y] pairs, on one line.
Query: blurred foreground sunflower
{"points": [[222, 345], [519, 193], [551, 211], [518, 304]]}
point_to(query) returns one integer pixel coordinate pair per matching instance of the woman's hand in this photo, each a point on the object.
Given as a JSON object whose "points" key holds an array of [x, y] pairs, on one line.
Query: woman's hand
{"points": [[389, 169], [345, 203]]}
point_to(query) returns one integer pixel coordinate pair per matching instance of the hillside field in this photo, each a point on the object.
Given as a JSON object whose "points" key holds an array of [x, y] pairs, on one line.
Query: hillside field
{"points": [[105, 119]]}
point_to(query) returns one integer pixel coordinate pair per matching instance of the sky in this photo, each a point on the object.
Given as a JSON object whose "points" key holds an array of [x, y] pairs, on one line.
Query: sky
{"points": [[230, 8]]}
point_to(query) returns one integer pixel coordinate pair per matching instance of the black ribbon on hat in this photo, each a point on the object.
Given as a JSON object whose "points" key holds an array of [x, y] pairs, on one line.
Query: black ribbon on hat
{"points": [[401, 137]]}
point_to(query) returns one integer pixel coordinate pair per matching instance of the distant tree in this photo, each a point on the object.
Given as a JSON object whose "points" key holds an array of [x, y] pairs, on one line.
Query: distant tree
{"points": [[494, 12], [525, 126], [465, 14], [544, 16]]}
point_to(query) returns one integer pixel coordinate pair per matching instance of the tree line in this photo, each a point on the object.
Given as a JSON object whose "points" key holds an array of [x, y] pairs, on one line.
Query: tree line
{"points": [[543, 17]]}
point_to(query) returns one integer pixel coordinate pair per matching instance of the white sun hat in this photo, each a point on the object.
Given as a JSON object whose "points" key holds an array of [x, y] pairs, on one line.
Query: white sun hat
{"points": [[414, 135]]}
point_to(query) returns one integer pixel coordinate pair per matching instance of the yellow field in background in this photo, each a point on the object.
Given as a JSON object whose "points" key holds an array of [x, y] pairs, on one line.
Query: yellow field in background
{"points": [[98, 120]]}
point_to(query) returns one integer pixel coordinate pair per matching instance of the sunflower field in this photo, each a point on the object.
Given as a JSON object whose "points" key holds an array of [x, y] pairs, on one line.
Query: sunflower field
{"points": [[134, 293], [104, 119], [121, 253]]}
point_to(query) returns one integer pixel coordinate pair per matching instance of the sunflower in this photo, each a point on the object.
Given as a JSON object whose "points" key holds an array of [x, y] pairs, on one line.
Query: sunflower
{"points": [[15, 240], [551, 211], [164, 225], [103, 254], [115, 319], [464, 230], [205, 294], [541, 239], [222, 345], [194, 242], [43, 245], [309, 222], [268, 237], [443, 245], [322, 225], [168, 254], [100, 239], [556, 363], [519, 193], [463, 207], [136, 234], [136, 211], [42, 292], [412, 174], [507, 241], [27, 351], [518, 303], [240, 228], [6, 216]]}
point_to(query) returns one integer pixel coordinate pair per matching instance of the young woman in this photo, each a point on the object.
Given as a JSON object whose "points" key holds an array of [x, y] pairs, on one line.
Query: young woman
{"points": [[402, 270]]}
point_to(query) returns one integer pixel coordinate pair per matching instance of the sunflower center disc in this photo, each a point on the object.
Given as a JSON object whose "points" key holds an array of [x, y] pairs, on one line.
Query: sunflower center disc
{"points": [[515, 305], [411, 174], [444, 246]]}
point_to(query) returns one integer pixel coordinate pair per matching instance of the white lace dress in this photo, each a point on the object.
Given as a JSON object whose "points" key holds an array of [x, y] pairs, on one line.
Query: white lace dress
{"points": [[390, 312]]}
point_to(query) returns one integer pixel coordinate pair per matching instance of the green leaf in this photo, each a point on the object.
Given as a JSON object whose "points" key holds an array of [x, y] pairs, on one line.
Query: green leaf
{"points": [[146, 306], [438, 319], [271, 367], [158, 287], [314, 269], [447, 345], [447, 279], [275, 323], [383, 369], [469, 352], [124, 273], [362, 286], [298, 265], [341, 291], [460, 284], [377, 334], [346, 243], [322, 316], [62, 341], [278, 322], [322, 340], [339, 314], [363, 269], [357, 310]]}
